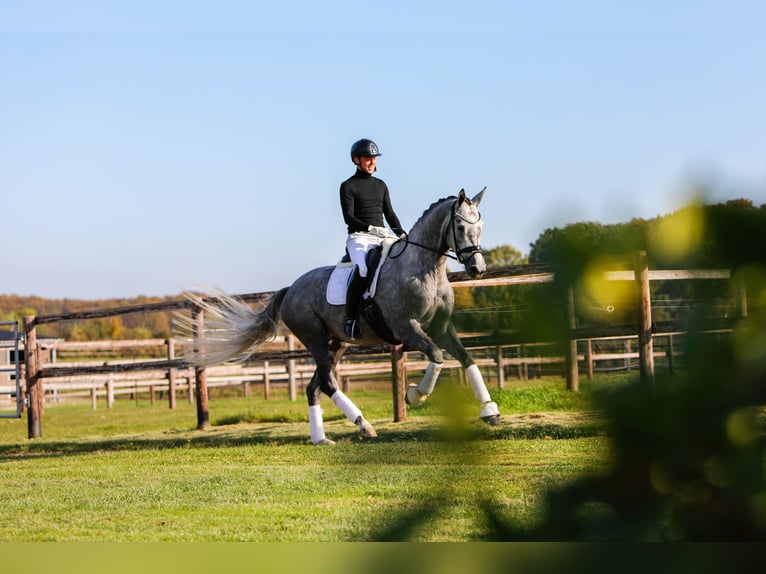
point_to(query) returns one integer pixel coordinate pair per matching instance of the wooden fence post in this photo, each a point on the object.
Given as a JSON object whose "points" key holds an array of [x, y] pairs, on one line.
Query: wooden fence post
{"points": [[35, 393], [399, 382], [109, 391], [171, 375], [671, 354], [589, 358], [500, 368], [266, 381], [573, 382], [742, 296], [291, 386], [200, 373], [523, 365], [645, 346]]}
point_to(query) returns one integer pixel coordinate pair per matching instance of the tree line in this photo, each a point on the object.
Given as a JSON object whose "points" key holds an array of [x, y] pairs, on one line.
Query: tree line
{"points": [[725, 235], [131, 326]]}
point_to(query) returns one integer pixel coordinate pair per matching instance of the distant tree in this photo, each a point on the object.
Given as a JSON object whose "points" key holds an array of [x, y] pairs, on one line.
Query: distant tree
{"points": [[131, 326], [491, 308], [504, 256]]}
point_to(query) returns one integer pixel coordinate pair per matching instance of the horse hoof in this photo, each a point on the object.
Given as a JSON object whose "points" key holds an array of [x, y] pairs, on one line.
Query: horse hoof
{"points": [[414, 396], [492, 420], [366, 430], [324, 441]]}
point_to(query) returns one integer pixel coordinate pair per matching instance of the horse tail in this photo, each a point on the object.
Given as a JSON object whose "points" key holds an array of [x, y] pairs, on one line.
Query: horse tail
{"points": [[232, 329]]}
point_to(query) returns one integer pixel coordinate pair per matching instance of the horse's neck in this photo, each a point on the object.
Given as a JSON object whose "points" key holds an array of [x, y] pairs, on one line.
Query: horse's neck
{"points": [[429, 231]]}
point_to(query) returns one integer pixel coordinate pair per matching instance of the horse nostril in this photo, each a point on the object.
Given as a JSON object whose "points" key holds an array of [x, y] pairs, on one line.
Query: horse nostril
{"points": [[476, 266]]}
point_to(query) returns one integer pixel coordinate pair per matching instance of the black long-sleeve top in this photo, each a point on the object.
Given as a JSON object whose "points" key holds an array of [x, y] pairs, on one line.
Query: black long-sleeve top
{"points": [[365, 201]]}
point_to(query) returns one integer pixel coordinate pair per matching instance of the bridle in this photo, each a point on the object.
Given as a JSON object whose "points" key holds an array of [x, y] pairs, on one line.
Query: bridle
{"points": [[461, 254], [469, 249]]}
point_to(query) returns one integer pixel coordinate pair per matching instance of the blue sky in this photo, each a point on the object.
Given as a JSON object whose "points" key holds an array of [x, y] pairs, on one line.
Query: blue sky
{"points": [[149, 147]]}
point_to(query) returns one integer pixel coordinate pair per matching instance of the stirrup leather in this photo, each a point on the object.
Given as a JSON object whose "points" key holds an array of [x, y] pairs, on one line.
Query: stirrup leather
{"points": [[351, 328]]}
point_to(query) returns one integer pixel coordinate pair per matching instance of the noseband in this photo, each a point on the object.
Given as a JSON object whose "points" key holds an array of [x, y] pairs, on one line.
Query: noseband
{"points": [[462, 254]]}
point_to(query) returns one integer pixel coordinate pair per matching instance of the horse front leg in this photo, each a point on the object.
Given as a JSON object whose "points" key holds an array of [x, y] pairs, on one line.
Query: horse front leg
{"points": [[489, 412], [419, 393], [414, 335]]}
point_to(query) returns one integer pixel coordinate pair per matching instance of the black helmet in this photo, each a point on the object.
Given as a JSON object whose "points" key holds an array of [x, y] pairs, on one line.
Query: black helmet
{"points": [[364, 148]]}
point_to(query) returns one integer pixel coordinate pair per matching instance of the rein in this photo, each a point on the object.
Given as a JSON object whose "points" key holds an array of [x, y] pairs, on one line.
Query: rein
{"points": [[459, 253]]}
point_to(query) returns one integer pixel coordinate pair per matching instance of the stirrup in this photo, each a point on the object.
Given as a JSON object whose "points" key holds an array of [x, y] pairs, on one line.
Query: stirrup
{"points": [[351, 328]]}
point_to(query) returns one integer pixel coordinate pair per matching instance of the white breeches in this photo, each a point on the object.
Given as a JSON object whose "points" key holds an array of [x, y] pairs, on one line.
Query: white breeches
{"points": [[358, 244]]}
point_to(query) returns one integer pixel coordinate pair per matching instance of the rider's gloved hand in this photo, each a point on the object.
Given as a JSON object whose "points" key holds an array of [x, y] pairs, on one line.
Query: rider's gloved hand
{"points": [[377, 231]]}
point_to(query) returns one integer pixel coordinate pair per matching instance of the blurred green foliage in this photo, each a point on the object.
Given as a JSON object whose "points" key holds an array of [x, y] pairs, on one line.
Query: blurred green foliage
{"points": [[688, 450], [720, 236]]}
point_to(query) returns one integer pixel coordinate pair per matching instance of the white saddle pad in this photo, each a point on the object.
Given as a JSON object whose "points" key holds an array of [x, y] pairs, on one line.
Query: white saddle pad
{"points": [[340, 276], [338, 283]]}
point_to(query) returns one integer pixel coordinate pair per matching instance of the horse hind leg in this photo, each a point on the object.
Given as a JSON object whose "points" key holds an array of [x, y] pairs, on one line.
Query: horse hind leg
{"points": [[324, 381], [316, 423], [353, 413]]}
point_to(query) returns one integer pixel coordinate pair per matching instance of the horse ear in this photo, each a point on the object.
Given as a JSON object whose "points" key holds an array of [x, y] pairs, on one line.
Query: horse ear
{"points": [[477, 198], [460, 197]]}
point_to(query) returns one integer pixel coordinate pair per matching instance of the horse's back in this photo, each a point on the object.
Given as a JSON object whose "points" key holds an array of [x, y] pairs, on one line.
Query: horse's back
{"points": [[314, 278], [307, 296]]}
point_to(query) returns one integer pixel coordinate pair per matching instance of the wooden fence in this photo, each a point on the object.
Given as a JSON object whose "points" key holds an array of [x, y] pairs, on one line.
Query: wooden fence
{"points": [[522, 361], [167, 373]]}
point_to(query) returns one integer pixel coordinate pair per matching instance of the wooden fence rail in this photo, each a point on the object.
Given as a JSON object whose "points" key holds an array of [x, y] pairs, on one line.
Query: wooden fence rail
{"points": [[80, 379]]}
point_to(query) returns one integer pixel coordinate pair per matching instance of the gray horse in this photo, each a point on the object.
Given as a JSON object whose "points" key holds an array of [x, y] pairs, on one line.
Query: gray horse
{"points": [[413, 296]]}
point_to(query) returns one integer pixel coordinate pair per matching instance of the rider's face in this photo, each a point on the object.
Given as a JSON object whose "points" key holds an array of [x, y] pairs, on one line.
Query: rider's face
{"points": [[367, 164]]}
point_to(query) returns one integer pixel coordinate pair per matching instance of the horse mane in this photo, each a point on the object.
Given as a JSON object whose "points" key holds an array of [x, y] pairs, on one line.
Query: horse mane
{"points": [[434, 204]]}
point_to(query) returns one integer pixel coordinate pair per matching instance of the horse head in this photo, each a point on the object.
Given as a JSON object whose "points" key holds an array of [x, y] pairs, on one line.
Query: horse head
{"points": [[464, 235]]}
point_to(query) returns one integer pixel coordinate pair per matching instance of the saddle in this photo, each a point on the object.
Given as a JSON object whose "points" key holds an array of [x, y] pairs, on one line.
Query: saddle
{"points": [[337, 287]]}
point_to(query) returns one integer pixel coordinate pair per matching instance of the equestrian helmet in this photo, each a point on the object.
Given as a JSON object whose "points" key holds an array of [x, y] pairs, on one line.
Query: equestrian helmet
{"points": [[364, 148]]}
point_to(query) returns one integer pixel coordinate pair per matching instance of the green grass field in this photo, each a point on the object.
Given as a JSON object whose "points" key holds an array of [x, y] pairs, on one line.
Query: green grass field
{"points": [[143, 473]]}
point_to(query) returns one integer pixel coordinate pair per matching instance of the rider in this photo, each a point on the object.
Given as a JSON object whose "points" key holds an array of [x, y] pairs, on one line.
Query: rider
{"points": [[365, 202]]}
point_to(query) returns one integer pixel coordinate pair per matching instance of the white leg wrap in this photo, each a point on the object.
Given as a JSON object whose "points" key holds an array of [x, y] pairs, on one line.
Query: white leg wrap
{"points": [[428, 382], [476, 381], [345, 404], [316, 424], [489, 409]]}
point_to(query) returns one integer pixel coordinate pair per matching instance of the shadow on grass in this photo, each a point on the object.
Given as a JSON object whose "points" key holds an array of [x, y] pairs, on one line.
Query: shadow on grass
{"points": [[295, 434]]}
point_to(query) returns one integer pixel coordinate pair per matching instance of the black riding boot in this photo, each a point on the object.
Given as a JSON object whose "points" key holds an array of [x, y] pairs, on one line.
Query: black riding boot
{"points": [[353, 300]]}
